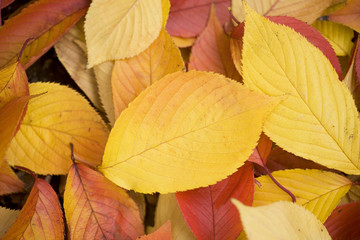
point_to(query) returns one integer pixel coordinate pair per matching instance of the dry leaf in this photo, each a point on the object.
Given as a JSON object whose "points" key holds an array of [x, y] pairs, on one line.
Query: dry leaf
{"points": [[7, 218]]}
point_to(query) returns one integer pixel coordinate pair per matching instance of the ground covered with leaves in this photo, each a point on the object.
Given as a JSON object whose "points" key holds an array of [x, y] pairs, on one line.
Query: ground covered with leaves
{"points": [[179, 119]]}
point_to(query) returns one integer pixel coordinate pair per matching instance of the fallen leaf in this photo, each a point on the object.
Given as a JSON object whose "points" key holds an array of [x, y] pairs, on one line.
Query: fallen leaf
{"points": [[357, 61], [208, 210], [9, 182], [7, 218], [262, 150], [5, 3], [45, 21], [342, 223], [310, 33], [318, 191], [338, 35], [187, 130], [318, 120], [53, 121], [41, 217], [121, 29], [304, 10], [95, 208], [211, 51], [349, 15], [187, 18], [71, 51], [13, 83], [103, 78], [280, 220], [131, 76], [163, 233], [168, 209]]}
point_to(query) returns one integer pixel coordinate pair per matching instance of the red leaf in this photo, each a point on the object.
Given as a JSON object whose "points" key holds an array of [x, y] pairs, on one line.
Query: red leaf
{"points": [[262, 150], [187, 18], [208, 210], [5, 3], [45, 21], [163, 233], [343, 223], [211, 51], [41, 216], [309, 32], [95, 208], [357, 61]]}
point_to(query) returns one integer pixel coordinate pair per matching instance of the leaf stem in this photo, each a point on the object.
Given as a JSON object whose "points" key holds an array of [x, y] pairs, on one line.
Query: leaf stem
{"points": [[233, 17], [24, 169], [23, 47]]}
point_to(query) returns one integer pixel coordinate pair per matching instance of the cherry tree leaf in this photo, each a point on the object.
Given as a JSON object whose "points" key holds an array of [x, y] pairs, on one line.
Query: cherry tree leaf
{"points": [[187, 18], [348, 15], [44, 22], [41, 216], [7, 218], [71, 51], [131, 76], [208, 210], [96, 208], [52, 121], [341, 223], [187, 130], [121, 29], [305, 10], [9, 182], [211, 51], [339, 36], [319, 120], [280, 220], [316, 190]]}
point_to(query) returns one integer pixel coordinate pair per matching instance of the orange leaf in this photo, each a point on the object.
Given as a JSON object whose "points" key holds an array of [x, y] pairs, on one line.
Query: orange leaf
{"points": [[45, 21], [41, 216], [10, 119], [208, 210], [9, 182], [5, 3], [95, 208], [132, 75], [349, 15], [187, 18], [211, 51], [163, 233]]}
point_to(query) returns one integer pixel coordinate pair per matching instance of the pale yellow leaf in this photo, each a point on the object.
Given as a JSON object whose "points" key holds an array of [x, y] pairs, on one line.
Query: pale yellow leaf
{"points": [[187, 130], [54, 120], [7, 218], [318, 191], [168, 209], [131, 76], [71, 51], [338, 35], [319, 120], [120, 29], [305, 10], [103, 79], [280, 220]]}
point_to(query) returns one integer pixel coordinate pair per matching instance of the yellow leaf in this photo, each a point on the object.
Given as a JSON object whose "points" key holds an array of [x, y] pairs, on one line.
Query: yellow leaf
{"points": [[167, 208], [103, 79], [53, 121], [187, 130], [305, 10], [317, 191], [131, 76], [7, 218], [338, 35], [120, 29], [183, 42], [280, 220], [165, 6], [318, 120], [71, 51]]}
